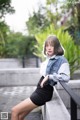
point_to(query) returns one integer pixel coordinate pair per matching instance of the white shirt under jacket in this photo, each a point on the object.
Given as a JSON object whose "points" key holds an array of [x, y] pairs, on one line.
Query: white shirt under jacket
{"points": [[63, 72]]}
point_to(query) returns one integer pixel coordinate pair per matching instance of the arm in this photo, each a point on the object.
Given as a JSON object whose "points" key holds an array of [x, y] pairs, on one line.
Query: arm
{"points": [[62, 75]]}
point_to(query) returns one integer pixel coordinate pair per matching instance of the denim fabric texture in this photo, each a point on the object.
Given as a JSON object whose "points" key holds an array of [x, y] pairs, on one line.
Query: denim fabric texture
{"points": [[53, 67]]}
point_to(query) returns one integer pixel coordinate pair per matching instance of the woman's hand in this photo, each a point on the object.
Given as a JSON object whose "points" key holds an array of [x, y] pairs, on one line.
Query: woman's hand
{"points": [[43, 81]]}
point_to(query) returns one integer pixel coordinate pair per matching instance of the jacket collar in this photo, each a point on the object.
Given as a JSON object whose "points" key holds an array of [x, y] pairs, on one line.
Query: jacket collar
{"points": [[54, 57]]}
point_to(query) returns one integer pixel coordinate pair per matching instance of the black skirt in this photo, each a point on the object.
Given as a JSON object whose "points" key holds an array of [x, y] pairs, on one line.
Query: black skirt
{"points": [[42, 95]]}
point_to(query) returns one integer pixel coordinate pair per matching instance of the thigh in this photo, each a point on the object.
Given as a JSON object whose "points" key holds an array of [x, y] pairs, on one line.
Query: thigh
{"points": [[25, 106]]}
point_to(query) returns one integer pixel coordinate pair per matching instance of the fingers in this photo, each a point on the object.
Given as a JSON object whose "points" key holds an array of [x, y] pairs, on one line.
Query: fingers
{"points": [[44, 80], [41, 85]]}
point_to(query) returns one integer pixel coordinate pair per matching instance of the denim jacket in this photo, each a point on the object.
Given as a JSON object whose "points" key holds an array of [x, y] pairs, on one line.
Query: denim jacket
{"points": [[53, 67]]}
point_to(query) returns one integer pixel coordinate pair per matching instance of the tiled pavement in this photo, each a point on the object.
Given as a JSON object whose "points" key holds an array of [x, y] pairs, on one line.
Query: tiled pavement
{"points": [[10, 96]]}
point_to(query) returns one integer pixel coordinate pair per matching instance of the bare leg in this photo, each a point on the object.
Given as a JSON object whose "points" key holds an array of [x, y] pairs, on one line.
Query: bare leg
{"points": [[22, 115], [22, 109]]}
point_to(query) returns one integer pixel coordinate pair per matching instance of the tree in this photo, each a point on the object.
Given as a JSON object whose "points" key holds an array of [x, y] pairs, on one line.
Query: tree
{"points": [[4, 29], [18, 45], [72, 21], [5, 7], [37, 22], [26, 46]]}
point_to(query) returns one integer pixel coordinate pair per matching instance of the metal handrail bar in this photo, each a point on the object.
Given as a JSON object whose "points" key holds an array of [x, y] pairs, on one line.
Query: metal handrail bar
{"points": [[72, 94], [74, 100]]}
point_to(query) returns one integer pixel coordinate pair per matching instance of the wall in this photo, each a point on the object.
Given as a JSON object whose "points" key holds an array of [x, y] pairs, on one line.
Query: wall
{"points": [[19, 76], [19, 63]]}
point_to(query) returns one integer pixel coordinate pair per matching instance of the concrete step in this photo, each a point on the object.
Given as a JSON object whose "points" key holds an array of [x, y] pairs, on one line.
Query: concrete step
{"points": [[31, 116], [10, 96]]}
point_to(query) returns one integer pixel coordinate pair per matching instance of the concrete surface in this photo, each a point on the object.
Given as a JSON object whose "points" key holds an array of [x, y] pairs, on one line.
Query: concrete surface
{"points": [[10, 96], [25, 81], [55, 109], [20, 76]]}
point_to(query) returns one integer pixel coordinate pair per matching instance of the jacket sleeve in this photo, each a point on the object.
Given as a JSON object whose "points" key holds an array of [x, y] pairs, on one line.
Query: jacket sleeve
{"points": [[62, 75]]}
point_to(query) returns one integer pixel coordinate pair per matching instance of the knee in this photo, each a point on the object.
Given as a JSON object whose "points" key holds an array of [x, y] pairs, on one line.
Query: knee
{"points": [[21, 117], [14, 111]]}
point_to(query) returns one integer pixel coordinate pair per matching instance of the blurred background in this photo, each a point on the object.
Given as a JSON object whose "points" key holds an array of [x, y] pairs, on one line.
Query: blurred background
{"points": [[24, 26]]}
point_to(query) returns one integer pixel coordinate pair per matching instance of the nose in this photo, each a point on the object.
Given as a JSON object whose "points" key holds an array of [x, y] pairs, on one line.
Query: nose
{"points": [[49, 47]]}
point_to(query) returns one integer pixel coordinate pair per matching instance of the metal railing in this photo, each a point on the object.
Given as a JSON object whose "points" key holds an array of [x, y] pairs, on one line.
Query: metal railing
{"points": [[74, 100]]}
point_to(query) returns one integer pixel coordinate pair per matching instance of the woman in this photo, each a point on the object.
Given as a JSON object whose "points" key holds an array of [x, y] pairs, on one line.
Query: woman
{"points": [[55, 68]]}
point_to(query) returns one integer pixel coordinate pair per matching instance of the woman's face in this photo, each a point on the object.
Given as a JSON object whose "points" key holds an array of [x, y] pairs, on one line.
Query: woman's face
{"points": [[49, 49]]}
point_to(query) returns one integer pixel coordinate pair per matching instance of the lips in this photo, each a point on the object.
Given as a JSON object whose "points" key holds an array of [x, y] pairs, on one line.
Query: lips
{"points": [[49, 51]]}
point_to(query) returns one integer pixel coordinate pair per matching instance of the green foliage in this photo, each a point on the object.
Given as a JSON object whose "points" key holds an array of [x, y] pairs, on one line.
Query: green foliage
{"points": [[18, 45], [12, 42], [5, 7], [72, 51], [50, 1], [26, 46], [4, 29], [36, 22]]}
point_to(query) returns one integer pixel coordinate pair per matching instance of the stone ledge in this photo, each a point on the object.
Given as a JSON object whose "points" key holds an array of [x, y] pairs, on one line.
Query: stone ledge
{"points": [[21, 76], [55, 109]]}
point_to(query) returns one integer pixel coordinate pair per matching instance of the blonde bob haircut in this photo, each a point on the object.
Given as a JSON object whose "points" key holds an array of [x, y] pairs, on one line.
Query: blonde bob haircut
{"points": [[53, 41]]}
